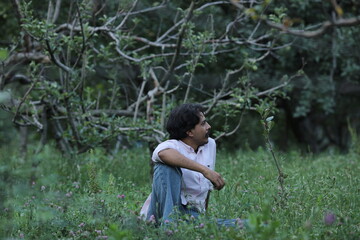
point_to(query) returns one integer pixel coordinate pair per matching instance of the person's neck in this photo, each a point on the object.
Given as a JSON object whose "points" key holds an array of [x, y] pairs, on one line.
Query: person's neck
{"points": [[188, 141]]}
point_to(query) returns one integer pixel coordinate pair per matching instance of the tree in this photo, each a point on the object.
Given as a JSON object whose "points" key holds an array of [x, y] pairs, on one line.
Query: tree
{"points": [[98, 72], [322, 105], [106, 71]]}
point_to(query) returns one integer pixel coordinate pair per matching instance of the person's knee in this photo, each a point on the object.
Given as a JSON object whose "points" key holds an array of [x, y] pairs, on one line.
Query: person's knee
{"points": [[167, 171]]}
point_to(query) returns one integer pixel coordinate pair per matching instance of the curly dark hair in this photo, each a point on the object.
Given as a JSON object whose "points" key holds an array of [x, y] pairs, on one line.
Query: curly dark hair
{"points": [[182, 119]]}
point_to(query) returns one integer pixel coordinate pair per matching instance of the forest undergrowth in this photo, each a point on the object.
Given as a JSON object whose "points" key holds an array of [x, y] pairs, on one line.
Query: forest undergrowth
{"points": [[97, 196]]}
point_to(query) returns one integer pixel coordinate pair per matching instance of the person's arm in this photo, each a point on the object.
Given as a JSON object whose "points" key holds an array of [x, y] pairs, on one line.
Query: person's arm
{"points": [[174, 158]]}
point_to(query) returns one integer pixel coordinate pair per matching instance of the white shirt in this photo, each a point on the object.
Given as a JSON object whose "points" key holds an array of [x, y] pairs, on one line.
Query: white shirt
{"points": [[195, 186]]}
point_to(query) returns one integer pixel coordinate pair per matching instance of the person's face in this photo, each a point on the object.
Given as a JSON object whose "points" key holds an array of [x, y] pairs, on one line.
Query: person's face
{"points": [[200, 133]]}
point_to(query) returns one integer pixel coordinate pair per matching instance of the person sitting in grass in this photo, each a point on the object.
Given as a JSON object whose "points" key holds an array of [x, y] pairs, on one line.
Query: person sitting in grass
{"points": [[184, 167]]}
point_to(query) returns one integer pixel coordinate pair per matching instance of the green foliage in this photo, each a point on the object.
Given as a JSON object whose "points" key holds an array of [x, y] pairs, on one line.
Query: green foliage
{"points": [[278, 15], [98, 68], [265, 110], [63, 197], [10, 135], [3, 54], [355, 140], [55, 201]]}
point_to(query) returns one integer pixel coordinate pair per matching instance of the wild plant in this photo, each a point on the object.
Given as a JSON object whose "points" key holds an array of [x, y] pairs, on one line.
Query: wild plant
{"points": [[266, 110]]}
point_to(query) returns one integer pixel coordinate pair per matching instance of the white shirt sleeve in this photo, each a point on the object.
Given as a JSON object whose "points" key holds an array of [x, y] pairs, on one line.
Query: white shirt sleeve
{"points": [[212, 153], [162, 146]]}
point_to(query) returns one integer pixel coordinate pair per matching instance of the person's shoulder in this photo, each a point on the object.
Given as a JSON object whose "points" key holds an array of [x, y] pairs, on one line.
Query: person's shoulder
{"points": [[172, 143], [211, 141], [168, 144]]}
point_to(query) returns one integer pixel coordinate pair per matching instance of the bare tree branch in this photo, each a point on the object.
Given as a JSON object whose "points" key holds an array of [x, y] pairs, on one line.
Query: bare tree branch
{"points": [[56, 11], [179, 42], [320, 31], [282, 85], [55, 60], [139, 99], [227, 134], [23, 100], [50, 12], [126, 16], [224, 86], [113, 112], [27, 56], [162, 5]]}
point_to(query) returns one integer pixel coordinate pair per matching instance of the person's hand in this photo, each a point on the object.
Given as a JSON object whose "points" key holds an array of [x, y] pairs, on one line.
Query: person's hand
{"points": [[215, 178]]}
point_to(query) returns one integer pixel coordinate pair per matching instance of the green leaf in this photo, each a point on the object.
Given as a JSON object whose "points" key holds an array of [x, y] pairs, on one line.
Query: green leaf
{"points": [[4, 96], [3, 54]]}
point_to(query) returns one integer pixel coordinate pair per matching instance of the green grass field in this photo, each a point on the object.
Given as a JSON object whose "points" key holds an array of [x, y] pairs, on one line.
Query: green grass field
{"points": [[95, 196]]}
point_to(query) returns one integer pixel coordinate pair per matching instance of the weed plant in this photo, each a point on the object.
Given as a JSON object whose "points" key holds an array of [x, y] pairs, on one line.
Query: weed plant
{"points": [[95, 196]]}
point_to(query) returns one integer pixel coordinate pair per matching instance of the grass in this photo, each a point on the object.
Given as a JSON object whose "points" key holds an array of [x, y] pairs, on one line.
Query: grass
{"points": [[95, 196]]}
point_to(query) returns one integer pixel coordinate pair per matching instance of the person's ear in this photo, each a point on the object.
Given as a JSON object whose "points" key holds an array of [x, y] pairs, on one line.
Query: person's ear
{"points": [[190, 133]]}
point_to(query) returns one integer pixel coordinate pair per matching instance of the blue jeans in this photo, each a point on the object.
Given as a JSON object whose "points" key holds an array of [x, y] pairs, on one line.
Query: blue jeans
{"points": [[165, 197]]}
